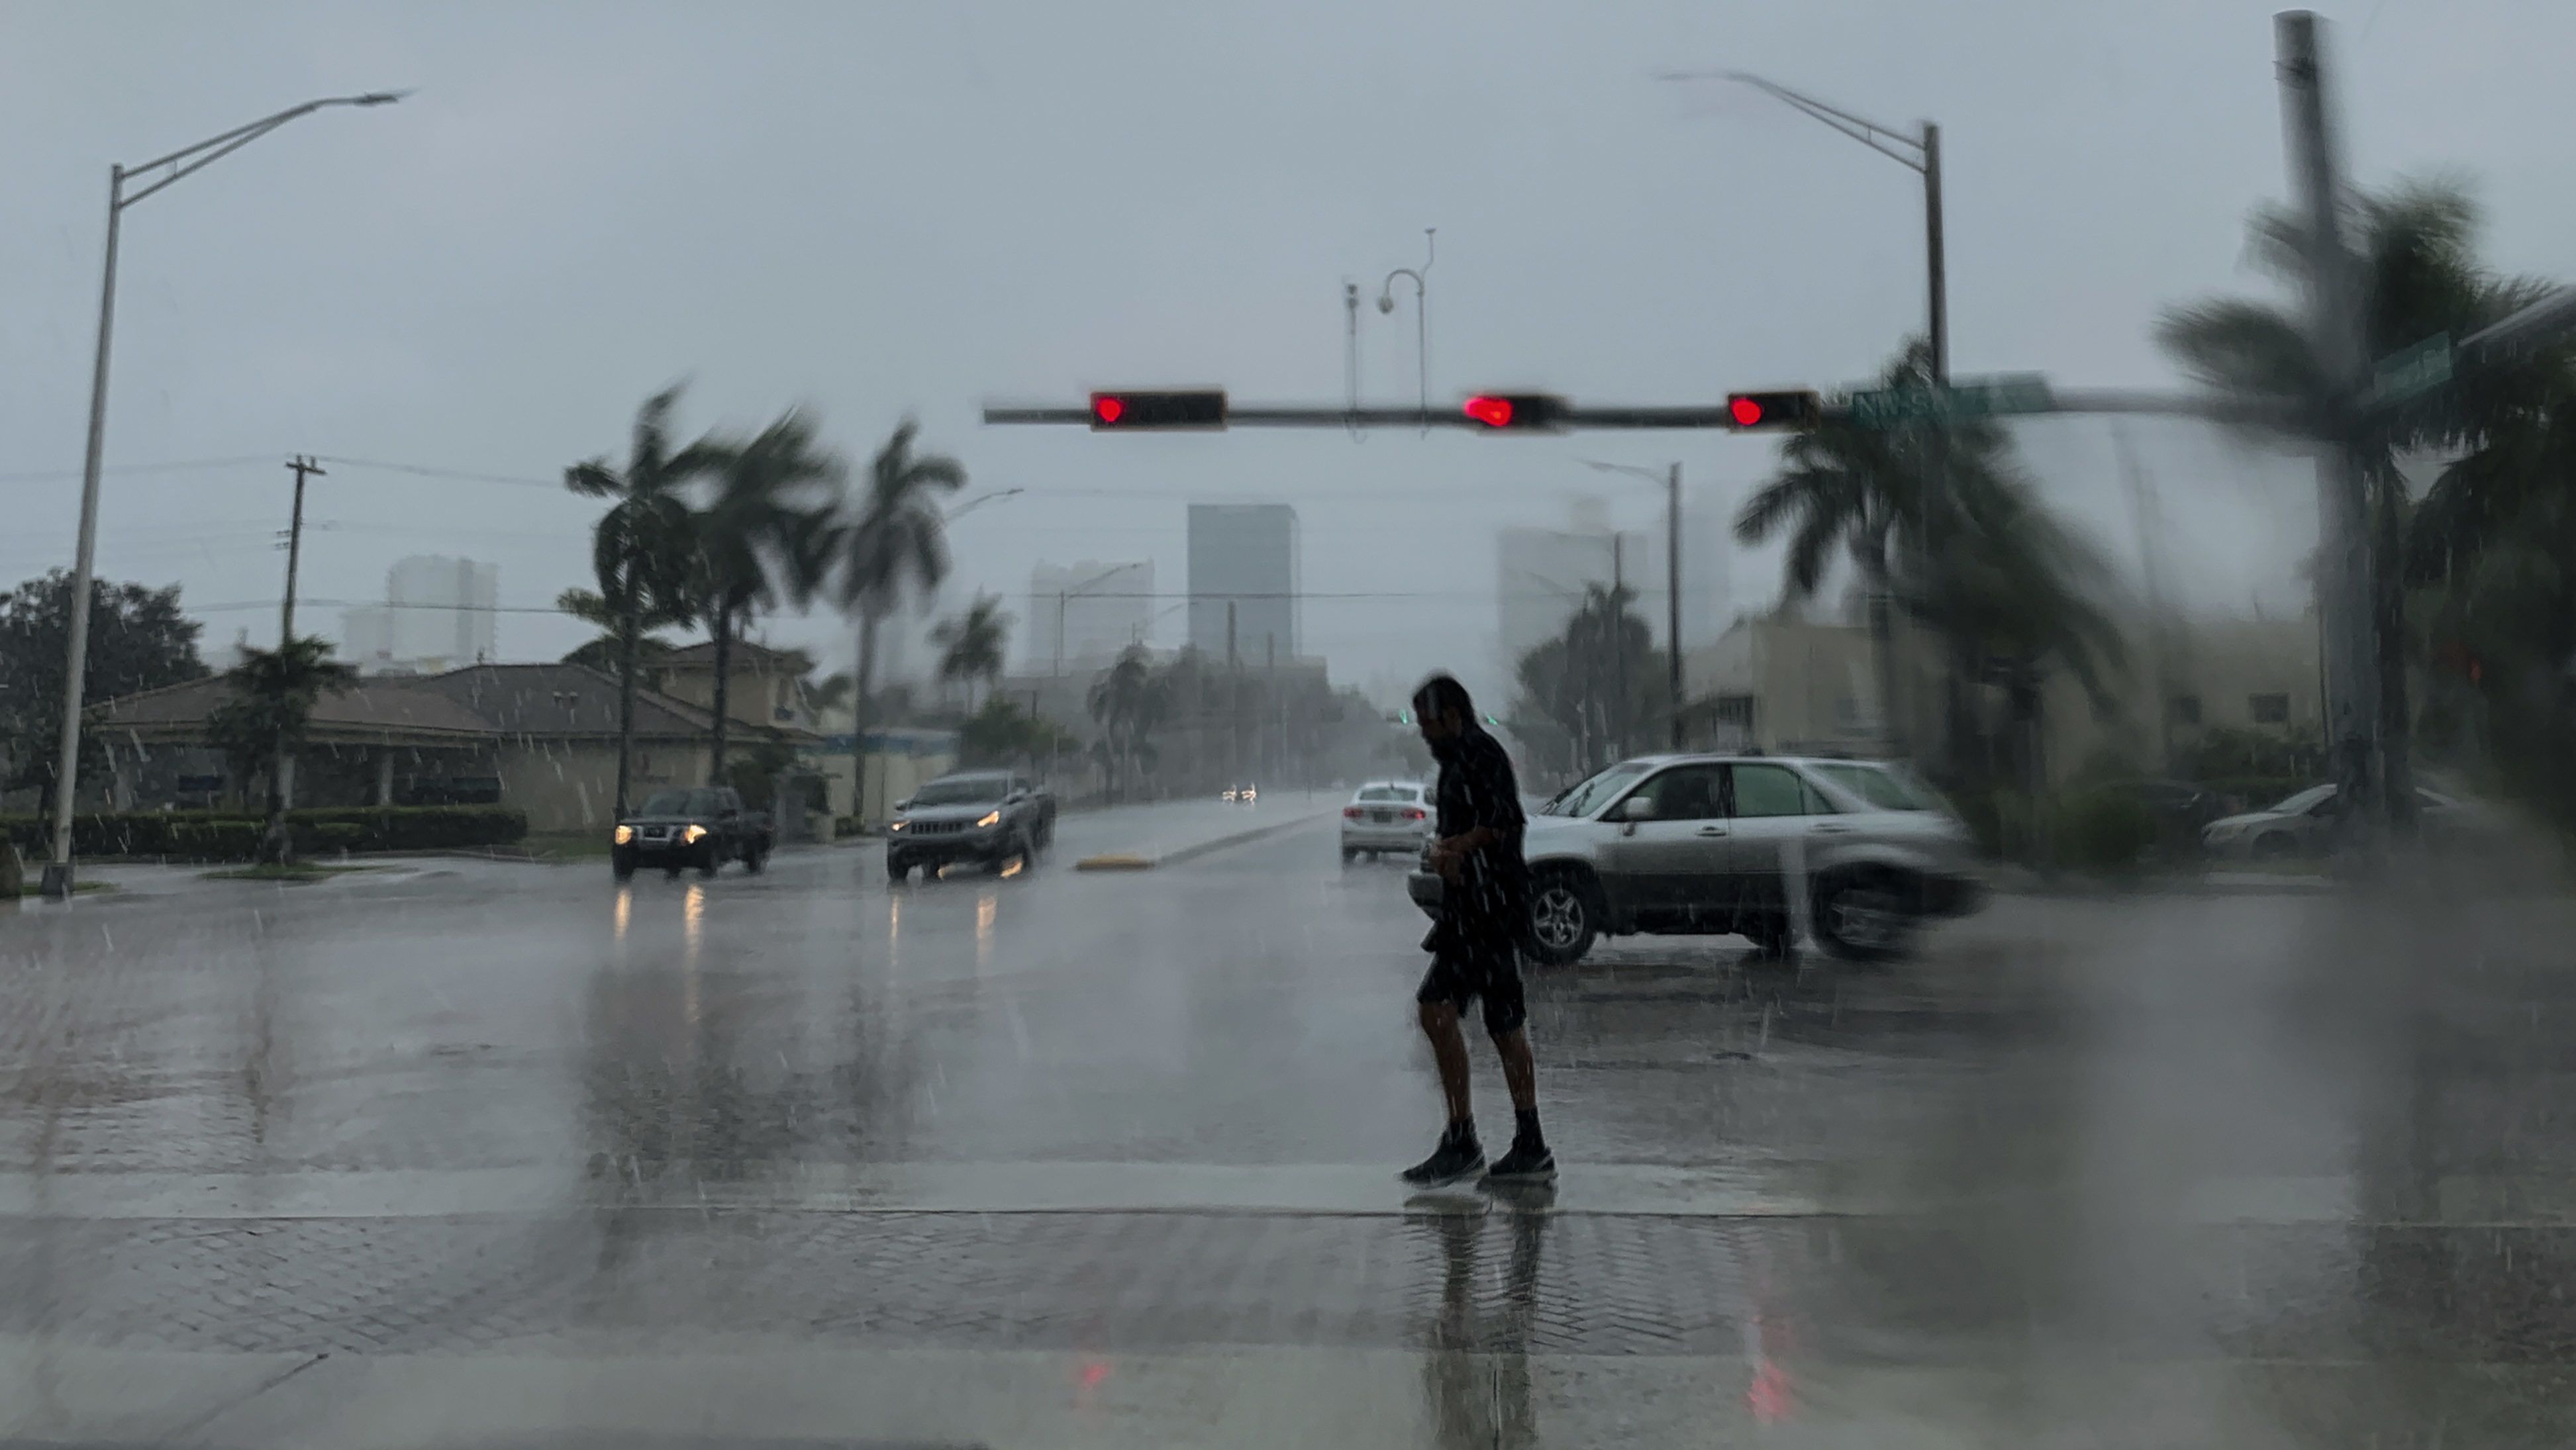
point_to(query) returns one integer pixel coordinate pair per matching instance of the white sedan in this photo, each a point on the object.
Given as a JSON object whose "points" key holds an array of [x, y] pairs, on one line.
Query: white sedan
{"points": [[1386, 815]]}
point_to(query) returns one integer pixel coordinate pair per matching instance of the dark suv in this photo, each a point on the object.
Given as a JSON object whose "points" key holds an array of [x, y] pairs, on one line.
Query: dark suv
{"points": [[704, 826]]}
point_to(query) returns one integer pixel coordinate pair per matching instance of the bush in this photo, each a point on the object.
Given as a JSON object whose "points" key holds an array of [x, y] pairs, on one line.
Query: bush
{"points": [[224, 836], [2102, 828], [329, 836]]}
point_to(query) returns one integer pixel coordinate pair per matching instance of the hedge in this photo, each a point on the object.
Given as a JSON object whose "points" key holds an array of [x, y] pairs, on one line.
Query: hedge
{"points": [[229, 836]]}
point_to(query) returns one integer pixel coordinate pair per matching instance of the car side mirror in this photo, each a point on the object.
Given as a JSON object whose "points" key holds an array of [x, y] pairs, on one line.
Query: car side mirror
{"points": [[1637, 808]]}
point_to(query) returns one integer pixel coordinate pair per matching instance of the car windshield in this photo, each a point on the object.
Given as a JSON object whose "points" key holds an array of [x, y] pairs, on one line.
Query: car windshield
{"points": [[1875, 784], [961, 790], [1390, 793], [680, 803], [2300, 802], [1595, 793]]}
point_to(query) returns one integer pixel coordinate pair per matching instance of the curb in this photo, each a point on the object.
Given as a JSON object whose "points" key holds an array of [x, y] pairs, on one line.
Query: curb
{"points": [[1185, 853]]}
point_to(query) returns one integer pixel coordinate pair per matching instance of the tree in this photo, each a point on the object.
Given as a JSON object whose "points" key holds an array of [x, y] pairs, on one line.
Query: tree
{"points": [[1003, 734], [606, 653], [758, 541], [1575, 683], [1128, 701], [2415, 260], [971, 645], [894, 541], [1942, 525], [138, 640], [641, 552], [265, 718]]}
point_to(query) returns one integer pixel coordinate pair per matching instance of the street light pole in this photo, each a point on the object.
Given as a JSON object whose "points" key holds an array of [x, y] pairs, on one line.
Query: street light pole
{"points": [[1421, 323], [2334, 325], [1920, 152], [179, 163], [1672, 480]]}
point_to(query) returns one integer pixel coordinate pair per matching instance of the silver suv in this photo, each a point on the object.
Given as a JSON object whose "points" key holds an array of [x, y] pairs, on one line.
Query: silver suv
{"points": [[1706, 844]]}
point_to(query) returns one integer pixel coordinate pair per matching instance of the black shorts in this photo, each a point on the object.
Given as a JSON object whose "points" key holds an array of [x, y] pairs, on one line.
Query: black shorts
{"points": [[1467, 964]]}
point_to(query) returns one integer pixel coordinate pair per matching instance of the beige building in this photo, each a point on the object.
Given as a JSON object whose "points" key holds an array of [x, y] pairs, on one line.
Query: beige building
{"points": [[1788, 685], [541, 737]]}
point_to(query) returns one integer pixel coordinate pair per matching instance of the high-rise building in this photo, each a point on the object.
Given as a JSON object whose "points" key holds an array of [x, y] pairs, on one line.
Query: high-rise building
{"points": [[1542, 575], [439, 614], [1244, 556], [1084, 614]]}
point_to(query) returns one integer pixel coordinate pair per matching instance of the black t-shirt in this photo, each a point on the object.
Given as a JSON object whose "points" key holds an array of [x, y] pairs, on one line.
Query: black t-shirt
{"points": [[1477, 788]]}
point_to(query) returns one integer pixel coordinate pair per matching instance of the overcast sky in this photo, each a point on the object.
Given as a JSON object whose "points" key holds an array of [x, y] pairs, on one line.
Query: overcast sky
{"points": [[875, 209]]}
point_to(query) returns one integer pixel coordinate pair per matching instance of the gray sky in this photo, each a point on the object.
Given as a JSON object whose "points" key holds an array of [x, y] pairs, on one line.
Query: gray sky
{"points": [[878, 208]]}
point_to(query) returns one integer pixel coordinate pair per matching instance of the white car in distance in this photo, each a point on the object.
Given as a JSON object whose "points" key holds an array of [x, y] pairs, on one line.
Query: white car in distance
{"points": [[1386, 816]]}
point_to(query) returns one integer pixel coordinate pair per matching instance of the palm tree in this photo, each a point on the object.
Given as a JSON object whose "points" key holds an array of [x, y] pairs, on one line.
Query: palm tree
{"points": [[267, 714], [1941, 524], [756, 544], [2415, 260], [640, 550], [1128, 701], [971, 645], [895, 542]]}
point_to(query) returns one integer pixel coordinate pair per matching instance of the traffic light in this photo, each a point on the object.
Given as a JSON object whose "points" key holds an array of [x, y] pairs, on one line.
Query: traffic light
{"points": [[1200, 409], [1517, 412], [1793, 409]]}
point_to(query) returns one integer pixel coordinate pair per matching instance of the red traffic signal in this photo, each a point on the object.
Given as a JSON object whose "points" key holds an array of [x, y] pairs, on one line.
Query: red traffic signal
{"points": [[1199, 408], [1522, 412], [1792, 409]]}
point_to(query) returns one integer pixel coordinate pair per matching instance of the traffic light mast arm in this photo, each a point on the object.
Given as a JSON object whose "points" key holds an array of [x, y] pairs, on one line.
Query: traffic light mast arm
{"points": [[2273, 412]]}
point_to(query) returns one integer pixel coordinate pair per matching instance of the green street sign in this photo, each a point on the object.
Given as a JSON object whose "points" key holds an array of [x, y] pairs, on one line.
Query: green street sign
{"points": [[1976, 398], [2410, 371]]}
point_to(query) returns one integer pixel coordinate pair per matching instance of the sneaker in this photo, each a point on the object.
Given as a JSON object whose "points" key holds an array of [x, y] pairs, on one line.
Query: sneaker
{"points": [[1526, 1163], [1455, 1158]]}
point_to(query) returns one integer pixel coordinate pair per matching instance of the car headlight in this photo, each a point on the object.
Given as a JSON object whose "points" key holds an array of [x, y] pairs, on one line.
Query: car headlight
{"points": [[624, 835], [895, 825], [989, 820], [694, 834]]}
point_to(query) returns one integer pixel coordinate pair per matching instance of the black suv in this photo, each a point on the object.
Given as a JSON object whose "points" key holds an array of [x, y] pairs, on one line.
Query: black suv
{"points": [[704, 827]]}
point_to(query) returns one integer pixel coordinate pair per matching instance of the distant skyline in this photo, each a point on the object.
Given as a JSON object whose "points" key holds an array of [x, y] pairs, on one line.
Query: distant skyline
{"points": [[455, 297]]}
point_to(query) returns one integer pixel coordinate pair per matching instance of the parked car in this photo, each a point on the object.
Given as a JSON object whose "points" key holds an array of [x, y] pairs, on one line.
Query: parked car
{"points": [[2304, 822], [992, 817], [1386, 815], [701, 826], [1706, 844]]}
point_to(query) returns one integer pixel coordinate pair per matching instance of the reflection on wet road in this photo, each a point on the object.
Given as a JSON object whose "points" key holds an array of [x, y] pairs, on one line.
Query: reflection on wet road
{"points": [[1113, 1152]]}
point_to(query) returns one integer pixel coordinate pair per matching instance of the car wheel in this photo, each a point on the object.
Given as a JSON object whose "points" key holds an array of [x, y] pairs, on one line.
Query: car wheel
{"points": [[754, 859], [896, 871], [2274, 847], [622, 864], [1564, 918], [708, 861], [1864, 918], [1349, 855], [1770, 936]]}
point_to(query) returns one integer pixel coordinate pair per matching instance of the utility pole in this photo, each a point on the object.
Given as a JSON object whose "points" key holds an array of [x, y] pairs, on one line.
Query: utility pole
{"points": [[1617, 715], [1935, 264], [1673, 599], [1233, 702], [295, 547], [2334, 323]]}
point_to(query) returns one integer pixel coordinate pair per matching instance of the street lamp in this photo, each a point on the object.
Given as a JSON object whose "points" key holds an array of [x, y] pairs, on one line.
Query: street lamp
{"points": [[179, 163], [978, 501], [1421, 322], [1671, 477], [1063, 596], [1920, 153]]}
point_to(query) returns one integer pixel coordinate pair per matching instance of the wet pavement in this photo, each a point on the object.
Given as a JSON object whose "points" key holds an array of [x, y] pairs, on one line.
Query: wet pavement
{"points": [[469, 1153]]}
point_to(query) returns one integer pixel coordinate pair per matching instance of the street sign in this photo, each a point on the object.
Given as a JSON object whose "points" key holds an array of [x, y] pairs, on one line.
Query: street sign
{"points": [[1975, 398], [2409, 371]]}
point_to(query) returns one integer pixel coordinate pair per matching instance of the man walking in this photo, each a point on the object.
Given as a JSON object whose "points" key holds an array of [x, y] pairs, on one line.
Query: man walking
{"points": [[1475, 942]]}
